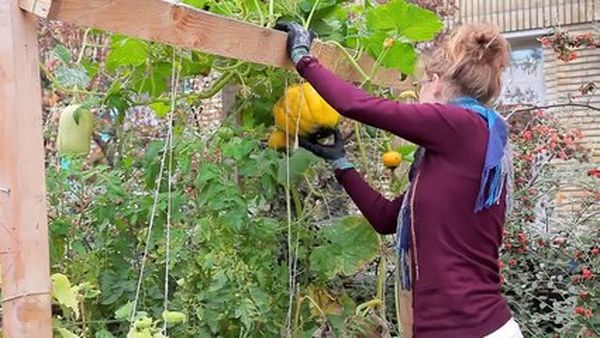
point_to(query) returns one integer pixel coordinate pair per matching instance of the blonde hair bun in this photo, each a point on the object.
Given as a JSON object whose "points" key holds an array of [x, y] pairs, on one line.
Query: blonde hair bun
{"points": [[479, 43], [472, 60]]}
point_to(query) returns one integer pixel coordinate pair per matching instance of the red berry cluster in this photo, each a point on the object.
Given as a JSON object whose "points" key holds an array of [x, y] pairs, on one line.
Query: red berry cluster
{"points": [[565, 46]]}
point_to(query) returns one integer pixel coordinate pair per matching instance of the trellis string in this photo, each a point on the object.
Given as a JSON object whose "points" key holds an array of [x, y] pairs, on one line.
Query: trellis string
{"points": [[174, 83], [167, 148]]}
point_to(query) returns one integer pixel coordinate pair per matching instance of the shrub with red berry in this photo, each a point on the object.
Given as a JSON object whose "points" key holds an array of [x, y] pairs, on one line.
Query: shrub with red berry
{"points": [[550, 255]]}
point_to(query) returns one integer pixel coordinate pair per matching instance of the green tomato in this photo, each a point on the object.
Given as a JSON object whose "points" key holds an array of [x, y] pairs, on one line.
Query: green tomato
{"points": [[225, 133], [173, 317], [142, 323], [144, 333]]}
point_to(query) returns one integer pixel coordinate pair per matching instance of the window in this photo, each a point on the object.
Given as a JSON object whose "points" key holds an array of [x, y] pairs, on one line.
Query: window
{"points": [[524, 79]]}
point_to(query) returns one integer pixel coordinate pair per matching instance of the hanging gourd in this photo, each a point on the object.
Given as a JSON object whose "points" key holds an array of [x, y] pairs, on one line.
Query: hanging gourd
{"points": [[75, 129], [302, 106]]}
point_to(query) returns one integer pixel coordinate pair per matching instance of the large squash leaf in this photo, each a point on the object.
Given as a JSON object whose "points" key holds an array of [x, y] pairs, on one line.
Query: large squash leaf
{"points": [[300, 161], [350, 245], [407, 20], [64, 293]]}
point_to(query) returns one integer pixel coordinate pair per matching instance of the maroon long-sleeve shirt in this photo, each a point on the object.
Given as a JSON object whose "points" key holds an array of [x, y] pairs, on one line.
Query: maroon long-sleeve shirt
{"points": [[457, 294]]}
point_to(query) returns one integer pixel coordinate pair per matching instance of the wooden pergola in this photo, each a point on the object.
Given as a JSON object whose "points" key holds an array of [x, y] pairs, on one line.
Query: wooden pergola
{"points": [[24, 248]]}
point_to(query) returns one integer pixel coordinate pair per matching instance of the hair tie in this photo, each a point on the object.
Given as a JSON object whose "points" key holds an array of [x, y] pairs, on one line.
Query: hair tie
{"points": [[491, 41], [486, 47]]}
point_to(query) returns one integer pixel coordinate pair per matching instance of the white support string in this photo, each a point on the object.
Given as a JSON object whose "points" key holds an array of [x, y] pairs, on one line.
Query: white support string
{"points": [[292, 249], [167, 148], [174, 83], [149, 235]]}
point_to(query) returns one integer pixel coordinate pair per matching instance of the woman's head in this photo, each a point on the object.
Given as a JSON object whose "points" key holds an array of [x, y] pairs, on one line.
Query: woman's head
{"points": [[470, 63]]}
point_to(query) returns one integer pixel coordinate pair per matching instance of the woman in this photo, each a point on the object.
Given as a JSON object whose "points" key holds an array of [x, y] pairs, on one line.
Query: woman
{"points": [[449, 222]]}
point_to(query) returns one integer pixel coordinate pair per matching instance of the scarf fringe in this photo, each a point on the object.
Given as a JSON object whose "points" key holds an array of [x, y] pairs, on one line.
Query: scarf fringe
{"points": [[403, 242], [494, 180]]}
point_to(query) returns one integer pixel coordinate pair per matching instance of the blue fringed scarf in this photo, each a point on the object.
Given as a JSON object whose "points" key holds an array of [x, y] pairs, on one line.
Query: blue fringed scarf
{"points": [[496, 172]]}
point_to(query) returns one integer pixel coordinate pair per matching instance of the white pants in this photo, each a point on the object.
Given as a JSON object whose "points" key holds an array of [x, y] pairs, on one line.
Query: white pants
{"points": [[509, 330]]}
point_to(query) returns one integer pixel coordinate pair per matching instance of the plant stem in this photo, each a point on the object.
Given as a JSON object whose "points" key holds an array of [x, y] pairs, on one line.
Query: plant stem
{"points": [[381, 278], [297, 203], [310, 16], [215, 88], [376, 65], [351, 59], [271, 9], [83, 45], [361, 148], [260, 13]]}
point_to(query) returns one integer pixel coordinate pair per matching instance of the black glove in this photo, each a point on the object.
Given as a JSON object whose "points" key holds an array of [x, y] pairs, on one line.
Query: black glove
{"points": [[334, 153], [298, 40]]}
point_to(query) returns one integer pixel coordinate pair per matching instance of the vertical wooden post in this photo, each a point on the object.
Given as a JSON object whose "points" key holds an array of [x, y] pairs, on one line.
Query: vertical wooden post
{"points": [[23, 222]]}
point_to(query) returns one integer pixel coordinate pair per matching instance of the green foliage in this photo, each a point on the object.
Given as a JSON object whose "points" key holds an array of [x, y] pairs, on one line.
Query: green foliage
{"points": [[398, 24], [64, 293], [404, 19], [231, 243], [349, 246], [298, 163], [126, 51]]}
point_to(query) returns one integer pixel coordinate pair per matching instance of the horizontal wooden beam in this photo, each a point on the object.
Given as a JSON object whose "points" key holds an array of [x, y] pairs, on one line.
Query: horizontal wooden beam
{"points": [[187, 27]]}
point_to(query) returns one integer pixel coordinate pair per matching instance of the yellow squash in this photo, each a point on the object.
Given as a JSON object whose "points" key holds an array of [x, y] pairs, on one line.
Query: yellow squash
{"points": [[304, 111], [277, 140]]}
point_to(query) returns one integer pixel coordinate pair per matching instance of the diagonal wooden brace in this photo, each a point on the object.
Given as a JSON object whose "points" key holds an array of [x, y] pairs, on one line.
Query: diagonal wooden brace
{"points": [[37, 7]]}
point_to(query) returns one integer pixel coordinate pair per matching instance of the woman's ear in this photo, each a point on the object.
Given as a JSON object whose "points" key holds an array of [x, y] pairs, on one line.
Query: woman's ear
{"points": [[438, 87]]}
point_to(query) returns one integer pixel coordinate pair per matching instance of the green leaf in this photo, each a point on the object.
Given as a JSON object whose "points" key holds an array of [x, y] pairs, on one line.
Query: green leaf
{"points": [[421, 24], [63, 293], [307, 5], [207, 173], [197, 64], [196, 3], [91, 67], [126, 51], [350, 245], [401, 56], [300, 161], [64, 333], [124, 312], [62, 53], [238, 148], [381, 18], [404, 19], [157, 82], [407, 151], [161, 109], [75, 76]]}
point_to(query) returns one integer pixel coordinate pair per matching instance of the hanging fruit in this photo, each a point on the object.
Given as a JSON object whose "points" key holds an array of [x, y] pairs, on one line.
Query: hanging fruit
{"points": [[172, 317], [302, 106], [75, 129], [277, 140], [392, 159]]}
